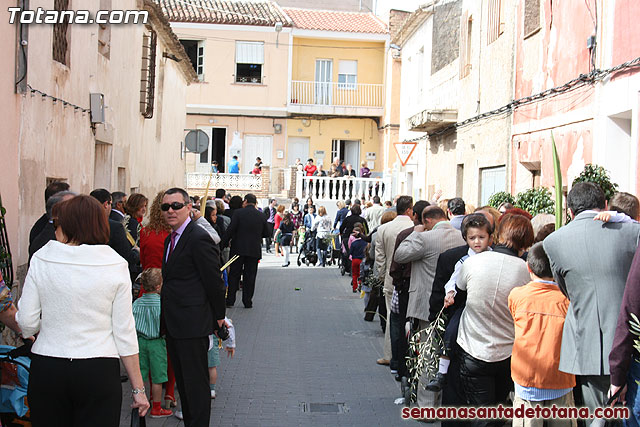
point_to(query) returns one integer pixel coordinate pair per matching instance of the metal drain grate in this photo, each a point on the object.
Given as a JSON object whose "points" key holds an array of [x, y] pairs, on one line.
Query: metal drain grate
{"points": [[324, 407]]}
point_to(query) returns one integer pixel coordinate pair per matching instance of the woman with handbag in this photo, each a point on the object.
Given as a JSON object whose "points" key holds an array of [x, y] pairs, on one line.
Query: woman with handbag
{"points": [[77, 298]]}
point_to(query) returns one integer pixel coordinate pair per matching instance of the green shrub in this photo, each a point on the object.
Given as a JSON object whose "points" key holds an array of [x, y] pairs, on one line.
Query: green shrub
{"points": [[535, 201], [497, 199], [597, 175]]}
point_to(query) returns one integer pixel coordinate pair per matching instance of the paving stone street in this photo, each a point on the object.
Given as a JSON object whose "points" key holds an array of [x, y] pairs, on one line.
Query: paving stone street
{"points": [[303, 358]]}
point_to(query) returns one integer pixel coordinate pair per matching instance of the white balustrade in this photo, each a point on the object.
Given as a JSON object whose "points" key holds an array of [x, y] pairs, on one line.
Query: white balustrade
{"points": [[228, 181], [337, 94], [325, 188]]}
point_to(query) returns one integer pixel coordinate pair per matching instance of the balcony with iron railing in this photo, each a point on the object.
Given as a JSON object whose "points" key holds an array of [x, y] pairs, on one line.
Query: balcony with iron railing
{"points": [[348, 99]]}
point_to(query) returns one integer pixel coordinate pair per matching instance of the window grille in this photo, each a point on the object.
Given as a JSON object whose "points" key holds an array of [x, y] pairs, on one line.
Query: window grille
{"points": [[148, 78], [60, 39]]}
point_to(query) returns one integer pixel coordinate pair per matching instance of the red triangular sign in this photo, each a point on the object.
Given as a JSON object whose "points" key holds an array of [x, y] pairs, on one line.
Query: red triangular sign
{"points": [[405, 150]]}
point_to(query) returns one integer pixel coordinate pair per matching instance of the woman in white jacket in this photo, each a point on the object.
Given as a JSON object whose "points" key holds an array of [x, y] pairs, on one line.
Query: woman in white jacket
{"points": [[77, 299], [322, 227]]}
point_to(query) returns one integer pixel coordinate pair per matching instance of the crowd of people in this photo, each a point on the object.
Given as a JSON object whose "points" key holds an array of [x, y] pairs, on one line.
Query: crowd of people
{"points": [[532, 314]]}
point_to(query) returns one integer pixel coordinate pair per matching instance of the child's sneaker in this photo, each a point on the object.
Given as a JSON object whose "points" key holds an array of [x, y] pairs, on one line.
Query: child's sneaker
{"points": [[160, 413], [178, 415], [213, 394]]}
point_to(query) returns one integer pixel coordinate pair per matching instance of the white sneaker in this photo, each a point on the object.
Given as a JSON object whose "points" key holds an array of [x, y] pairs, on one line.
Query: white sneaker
{"points": [[213, 394], [178, 415]]}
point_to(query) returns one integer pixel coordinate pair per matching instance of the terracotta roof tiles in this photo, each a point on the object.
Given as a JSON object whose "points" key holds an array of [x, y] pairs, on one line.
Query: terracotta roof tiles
{"points": [[261, 13], [330, 20]]}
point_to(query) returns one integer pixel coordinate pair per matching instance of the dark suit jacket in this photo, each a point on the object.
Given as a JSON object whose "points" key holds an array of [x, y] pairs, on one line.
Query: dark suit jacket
{"points": [[115, 216], [119, 242], [247, 229], [401, 273], [48, 233], [193, 293], [444, 269], [38, 227]]}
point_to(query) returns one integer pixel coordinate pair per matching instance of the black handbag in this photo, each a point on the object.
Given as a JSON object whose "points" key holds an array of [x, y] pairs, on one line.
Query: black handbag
{"points": [[136, 419]]}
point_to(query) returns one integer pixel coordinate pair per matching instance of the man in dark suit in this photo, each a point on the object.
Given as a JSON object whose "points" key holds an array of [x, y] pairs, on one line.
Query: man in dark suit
{"points": [[590, 261], [117, 237], [248, 227], [48, 233], [192, 303], [270, 216], [53, 188]]}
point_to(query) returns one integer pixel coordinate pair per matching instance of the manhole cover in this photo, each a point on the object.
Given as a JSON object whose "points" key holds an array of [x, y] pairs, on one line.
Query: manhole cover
{"points": [[323, 407]]}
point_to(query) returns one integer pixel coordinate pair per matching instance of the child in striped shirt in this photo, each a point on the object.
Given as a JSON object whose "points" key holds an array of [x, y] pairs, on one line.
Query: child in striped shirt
{"points": [[152, 347]]}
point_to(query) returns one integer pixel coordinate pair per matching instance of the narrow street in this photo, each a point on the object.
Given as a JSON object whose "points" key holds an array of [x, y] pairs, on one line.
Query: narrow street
{"points": [[303, 358]]}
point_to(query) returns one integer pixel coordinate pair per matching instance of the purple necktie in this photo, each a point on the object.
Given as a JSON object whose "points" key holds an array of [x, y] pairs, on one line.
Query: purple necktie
{"points": [[173, 243]]}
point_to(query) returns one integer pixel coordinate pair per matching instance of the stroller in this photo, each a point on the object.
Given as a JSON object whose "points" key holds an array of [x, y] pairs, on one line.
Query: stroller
{"points": [[334, 249], [14, 368], [307, 251]]}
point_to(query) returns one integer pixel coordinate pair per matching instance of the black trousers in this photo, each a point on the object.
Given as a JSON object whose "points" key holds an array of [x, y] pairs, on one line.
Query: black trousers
{"points": [[399, 343], [189, 360], [74, 392], [484, 383], [268, 239], [247, 267]]}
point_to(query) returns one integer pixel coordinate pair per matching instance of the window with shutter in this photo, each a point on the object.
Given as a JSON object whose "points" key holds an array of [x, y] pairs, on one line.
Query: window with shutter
{"points": [[249, 61], [347, 74], [531, 17], [148, 74], [466, 28], [494, 17]]}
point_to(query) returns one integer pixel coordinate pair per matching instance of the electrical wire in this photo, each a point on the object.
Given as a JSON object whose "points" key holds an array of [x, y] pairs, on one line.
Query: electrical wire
{"points": [[55, 99], [580, 81]]}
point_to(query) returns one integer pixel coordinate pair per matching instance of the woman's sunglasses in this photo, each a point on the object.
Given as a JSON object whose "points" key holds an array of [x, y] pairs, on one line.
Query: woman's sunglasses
{"points": [[176, 206]]}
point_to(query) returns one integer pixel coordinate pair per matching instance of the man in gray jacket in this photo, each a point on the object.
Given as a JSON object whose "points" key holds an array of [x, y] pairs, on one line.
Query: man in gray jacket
{"points": [[422, 248], [590, 261]]}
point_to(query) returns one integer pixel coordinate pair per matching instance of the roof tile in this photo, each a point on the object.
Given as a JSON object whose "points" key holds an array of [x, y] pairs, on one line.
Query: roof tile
{"points": [[329, 20], [261, 13]]}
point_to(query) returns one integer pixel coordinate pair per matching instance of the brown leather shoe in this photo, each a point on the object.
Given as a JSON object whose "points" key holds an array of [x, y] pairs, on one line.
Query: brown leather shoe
{"points": [[382, 362]]}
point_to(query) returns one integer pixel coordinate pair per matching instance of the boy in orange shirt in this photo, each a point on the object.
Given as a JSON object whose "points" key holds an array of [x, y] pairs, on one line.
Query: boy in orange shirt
{"points": [[539, 309]]}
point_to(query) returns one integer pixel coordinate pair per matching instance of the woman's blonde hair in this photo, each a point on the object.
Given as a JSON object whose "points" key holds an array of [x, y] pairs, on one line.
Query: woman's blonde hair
{"points": [[340, 204], [322, 211], [157, 223]]}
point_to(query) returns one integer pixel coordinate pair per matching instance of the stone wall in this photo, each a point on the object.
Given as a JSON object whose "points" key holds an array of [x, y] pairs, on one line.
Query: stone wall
{"points": [[446, 33]]}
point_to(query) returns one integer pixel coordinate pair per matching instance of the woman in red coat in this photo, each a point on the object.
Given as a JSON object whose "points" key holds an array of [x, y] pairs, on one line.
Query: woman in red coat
{"points": [[152, 237]]}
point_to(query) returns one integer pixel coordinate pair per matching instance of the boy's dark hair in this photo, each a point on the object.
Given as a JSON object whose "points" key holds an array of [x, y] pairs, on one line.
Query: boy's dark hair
{"points": [[475, 220], [456, 206], [235, 157], [151, 279], [250, 199], [55, 187], [220, 193], [625, 203], [585, 196], [544, 232], [539, 261], [403, 203]]}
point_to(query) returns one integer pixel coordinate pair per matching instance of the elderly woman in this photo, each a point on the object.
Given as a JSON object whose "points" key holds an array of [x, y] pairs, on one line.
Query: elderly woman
{"points": [[77, 298], [486, 327]]}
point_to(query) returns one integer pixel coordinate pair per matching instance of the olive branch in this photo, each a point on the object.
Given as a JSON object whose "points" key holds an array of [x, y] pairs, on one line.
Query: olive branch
{"points": [[424, 352]]}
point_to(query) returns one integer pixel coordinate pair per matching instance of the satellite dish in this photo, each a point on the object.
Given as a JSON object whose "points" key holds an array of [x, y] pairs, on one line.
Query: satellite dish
{"points": [[197, 141]]}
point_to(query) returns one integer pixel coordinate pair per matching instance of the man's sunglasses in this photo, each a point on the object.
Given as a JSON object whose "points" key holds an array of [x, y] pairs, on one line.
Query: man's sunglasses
{"points": [[176, 206]]}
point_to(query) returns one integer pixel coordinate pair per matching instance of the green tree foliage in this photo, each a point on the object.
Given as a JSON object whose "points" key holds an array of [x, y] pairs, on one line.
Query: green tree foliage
{"points": [[535, 201], [598, 175], [499, 198]]}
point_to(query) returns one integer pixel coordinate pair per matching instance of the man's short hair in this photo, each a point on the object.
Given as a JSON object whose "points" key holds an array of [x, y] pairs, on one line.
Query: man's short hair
{"points": [[545, 231], [585, 196], [433, 212], [376, 199], [117, 197], [355, 209], [310, 160], [235, 202], [419, 206], [250, 199], [625, 203], [101, 195], [357, 202], [475, 220], [539, 261], [177, 190], [57, 198], [347, 202], [404, 203], [53, 188], [456, 206], [220, 192]]}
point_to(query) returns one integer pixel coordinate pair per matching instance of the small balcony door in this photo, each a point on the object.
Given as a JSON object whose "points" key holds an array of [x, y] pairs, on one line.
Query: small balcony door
{"points": [[324, 76]]}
